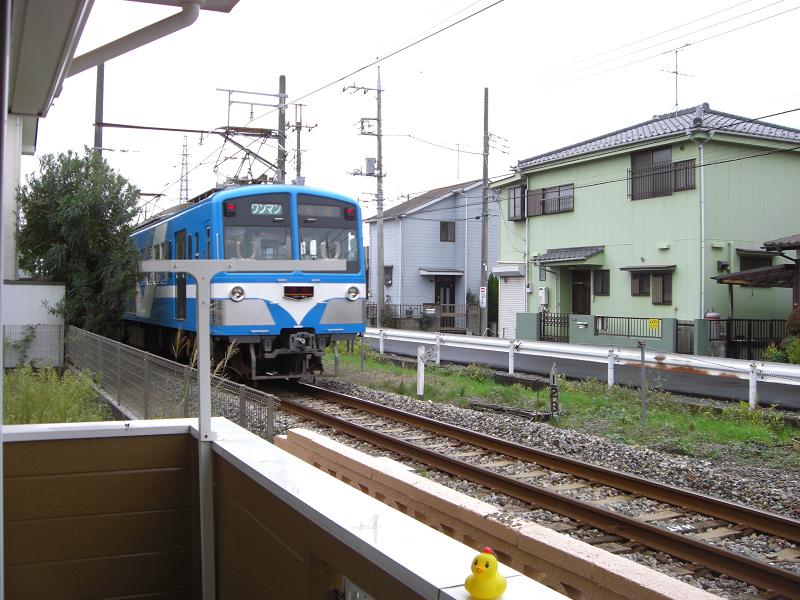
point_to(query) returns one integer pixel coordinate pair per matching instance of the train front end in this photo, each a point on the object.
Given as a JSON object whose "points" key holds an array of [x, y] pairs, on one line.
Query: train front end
{"points": [[312, 289]]}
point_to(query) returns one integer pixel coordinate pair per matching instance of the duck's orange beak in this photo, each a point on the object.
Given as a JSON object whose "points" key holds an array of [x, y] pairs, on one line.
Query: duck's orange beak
{"points": [[479, 570]]}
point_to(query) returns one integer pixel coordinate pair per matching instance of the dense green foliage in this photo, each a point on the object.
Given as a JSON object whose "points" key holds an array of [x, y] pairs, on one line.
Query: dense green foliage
{"points": [[793, 322], [75, 217], [44, 396]]}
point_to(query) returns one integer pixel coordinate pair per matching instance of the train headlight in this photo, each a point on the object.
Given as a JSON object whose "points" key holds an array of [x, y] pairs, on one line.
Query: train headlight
{"points": [[352, 293], [237, 293]]}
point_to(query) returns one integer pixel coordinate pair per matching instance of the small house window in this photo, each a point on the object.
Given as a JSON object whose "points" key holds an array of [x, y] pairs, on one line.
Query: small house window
{"points": [[447, 231], [542, 273], [662, 288], [552, 200], [754, 261], [601, 280], [516, 203], [387, 275], [640, 284]]}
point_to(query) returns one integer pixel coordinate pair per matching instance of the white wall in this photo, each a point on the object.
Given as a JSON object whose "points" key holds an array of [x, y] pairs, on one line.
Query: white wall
{"points": [[25, 303]]}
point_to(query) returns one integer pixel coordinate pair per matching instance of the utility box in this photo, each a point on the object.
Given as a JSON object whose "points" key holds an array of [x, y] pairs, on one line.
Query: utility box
{"points": [[370, 167], [544, 296]]}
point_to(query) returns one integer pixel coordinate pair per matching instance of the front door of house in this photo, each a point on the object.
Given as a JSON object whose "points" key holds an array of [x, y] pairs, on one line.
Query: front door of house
{"points": [[581, 292], [445, 296]]}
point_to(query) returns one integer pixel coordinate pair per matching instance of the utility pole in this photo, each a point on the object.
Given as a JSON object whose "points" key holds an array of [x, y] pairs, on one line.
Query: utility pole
{"points": [[379, 196], [98, 110], [281, 176], [184, 193], [485, 212], [298, 127]]}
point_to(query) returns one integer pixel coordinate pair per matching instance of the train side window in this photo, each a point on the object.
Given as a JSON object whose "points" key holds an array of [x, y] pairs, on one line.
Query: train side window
{"points": [[197, 245], [208, 241]]}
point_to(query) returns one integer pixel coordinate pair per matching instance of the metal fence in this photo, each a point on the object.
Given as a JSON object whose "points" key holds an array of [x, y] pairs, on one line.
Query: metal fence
{"points": [[746, 339], [554, 327], [150, 387], [453, 318], [633, 327], [38, 345]]}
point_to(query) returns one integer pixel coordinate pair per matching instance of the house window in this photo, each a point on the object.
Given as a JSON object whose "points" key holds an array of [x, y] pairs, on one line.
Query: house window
{"points": [[516, 203], [640, 284], [447, 231], [601, 282], [542, 273], [754, 261], [549, 201], [662, 288], [387, 275], [653, 174]]}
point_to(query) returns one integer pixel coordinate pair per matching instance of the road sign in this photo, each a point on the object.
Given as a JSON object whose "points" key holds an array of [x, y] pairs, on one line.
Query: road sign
{"points": [[482, 296], [653, 323]]}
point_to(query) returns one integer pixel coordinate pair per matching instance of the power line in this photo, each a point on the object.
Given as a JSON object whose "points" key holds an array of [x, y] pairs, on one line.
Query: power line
{"points": [[413, 137], [679, 37]]}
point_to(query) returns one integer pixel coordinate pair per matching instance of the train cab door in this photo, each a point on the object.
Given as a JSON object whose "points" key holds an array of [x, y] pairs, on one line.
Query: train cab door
{"points": [[180, 278]]}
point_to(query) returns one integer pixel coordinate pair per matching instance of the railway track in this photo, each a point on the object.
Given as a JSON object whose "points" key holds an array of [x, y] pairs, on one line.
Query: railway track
{"points": [[686, 525]]}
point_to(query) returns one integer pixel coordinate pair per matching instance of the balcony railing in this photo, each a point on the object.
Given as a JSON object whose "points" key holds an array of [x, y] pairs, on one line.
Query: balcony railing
{"points": [[661, 179]]}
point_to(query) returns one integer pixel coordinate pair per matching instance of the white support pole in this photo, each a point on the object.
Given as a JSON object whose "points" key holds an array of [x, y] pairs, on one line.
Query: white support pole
{"points": [[511, 358], [380, 340], [420, 370], [438, 349], [753, 395], [611, 362]]}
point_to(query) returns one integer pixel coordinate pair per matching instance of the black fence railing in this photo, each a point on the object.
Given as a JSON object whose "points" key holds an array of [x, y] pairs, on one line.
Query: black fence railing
{"points": [[746, 339], [632, 327], [554, 327]]}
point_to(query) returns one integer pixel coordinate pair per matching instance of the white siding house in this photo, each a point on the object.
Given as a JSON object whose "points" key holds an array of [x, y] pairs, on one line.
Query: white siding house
{"points": [[432, 246]]}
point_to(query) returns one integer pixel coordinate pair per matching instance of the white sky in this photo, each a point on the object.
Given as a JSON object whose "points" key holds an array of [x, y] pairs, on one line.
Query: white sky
{"points": [[526, 52]]}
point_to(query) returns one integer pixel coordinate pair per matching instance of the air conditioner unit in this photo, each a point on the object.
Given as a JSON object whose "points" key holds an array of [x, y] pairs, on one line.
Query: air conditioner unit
{"points": [[544, 296]]}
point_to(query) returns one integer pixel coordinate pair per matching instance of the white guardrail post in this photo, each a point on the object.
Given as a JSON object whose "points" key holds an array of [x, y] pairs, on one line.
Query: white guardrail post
{"points": [[420, 370], [752, 397], [381, 335], [438, 349], [612, 359]]}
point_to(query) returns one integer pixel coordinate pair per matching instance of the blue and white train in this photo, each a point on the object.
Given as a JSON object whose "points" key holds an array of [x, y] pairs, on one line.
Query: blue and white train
{"points": [[309, 294]]}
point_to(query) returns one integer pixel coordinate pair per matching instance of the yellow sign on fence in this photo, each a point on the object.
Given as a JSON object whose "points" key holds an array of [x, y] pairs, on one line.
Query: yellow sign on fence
{"points": [[653, 323]]}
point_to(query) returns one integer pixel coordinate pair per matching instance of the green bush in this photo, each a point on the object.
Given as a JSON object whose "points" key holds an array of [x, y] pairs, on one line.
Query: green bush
{"points": [[45, 396], [792, 349], [774, 354], [793, 322]]}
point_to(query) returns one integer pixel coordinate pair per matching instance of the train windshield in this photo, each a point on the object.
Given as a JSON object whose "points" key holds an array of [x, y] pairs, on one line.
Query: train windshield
{"points": [[257, 227], [328, 232]]}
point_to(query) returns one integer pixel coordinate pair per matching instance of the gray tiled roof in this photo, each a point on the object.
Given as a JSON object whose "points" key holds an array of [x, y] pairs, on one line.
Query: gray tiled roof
{"points": [[568, 254], [410, 205], [786, 243], [666, 126]]}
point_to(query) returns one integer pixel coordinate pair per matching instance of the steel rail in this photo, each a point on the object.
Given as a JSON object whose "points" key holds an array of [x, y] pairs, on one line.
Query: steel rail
{"points": [[755, 572], [745, 516]]}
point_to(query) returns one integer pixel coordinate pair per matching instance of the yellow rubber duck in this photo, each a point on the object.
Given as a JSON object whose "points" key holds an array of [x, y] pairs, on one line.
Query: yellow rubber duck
{"points": [[485, 583]]}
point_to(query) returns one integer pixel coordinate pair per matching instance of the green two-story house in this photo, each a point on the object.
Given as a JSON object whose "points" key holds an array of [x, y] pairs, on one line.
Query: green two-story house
{"points": [[637, 222]]}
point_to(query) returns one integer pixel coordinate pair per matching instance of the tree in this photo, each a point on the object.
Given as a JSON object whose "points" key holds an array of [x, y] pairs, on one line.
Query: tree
{"points": [[493, 293], [75, 216]]}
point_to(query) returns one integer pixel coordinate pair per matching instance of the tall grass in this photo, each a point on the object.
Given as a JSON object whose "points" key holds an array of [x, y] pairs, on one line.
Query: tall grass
{"points": [[45, 396]]}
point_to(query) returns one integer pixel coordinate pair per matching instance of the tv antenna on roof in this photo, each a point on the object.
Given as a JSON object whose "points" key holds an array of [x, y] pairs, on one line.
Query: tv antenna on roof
{"points": [[677, 73]]}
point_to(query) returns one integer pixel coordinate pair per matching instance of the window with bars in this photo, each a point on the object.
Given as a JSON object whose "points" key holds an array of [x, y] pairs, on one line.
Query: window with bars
{"points": [[640, 283], [754, 261], [656, 284], [542, 273], [447, 231], [601, 282], [551, 200], [387, 275], [653, 174], [516, 203], [661, 288]]}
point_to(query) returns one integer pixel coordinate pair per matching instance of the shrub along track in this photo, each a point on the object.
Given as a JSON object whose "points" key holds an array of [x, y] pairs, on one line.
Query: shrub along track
{"points": [[691, 528]]}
